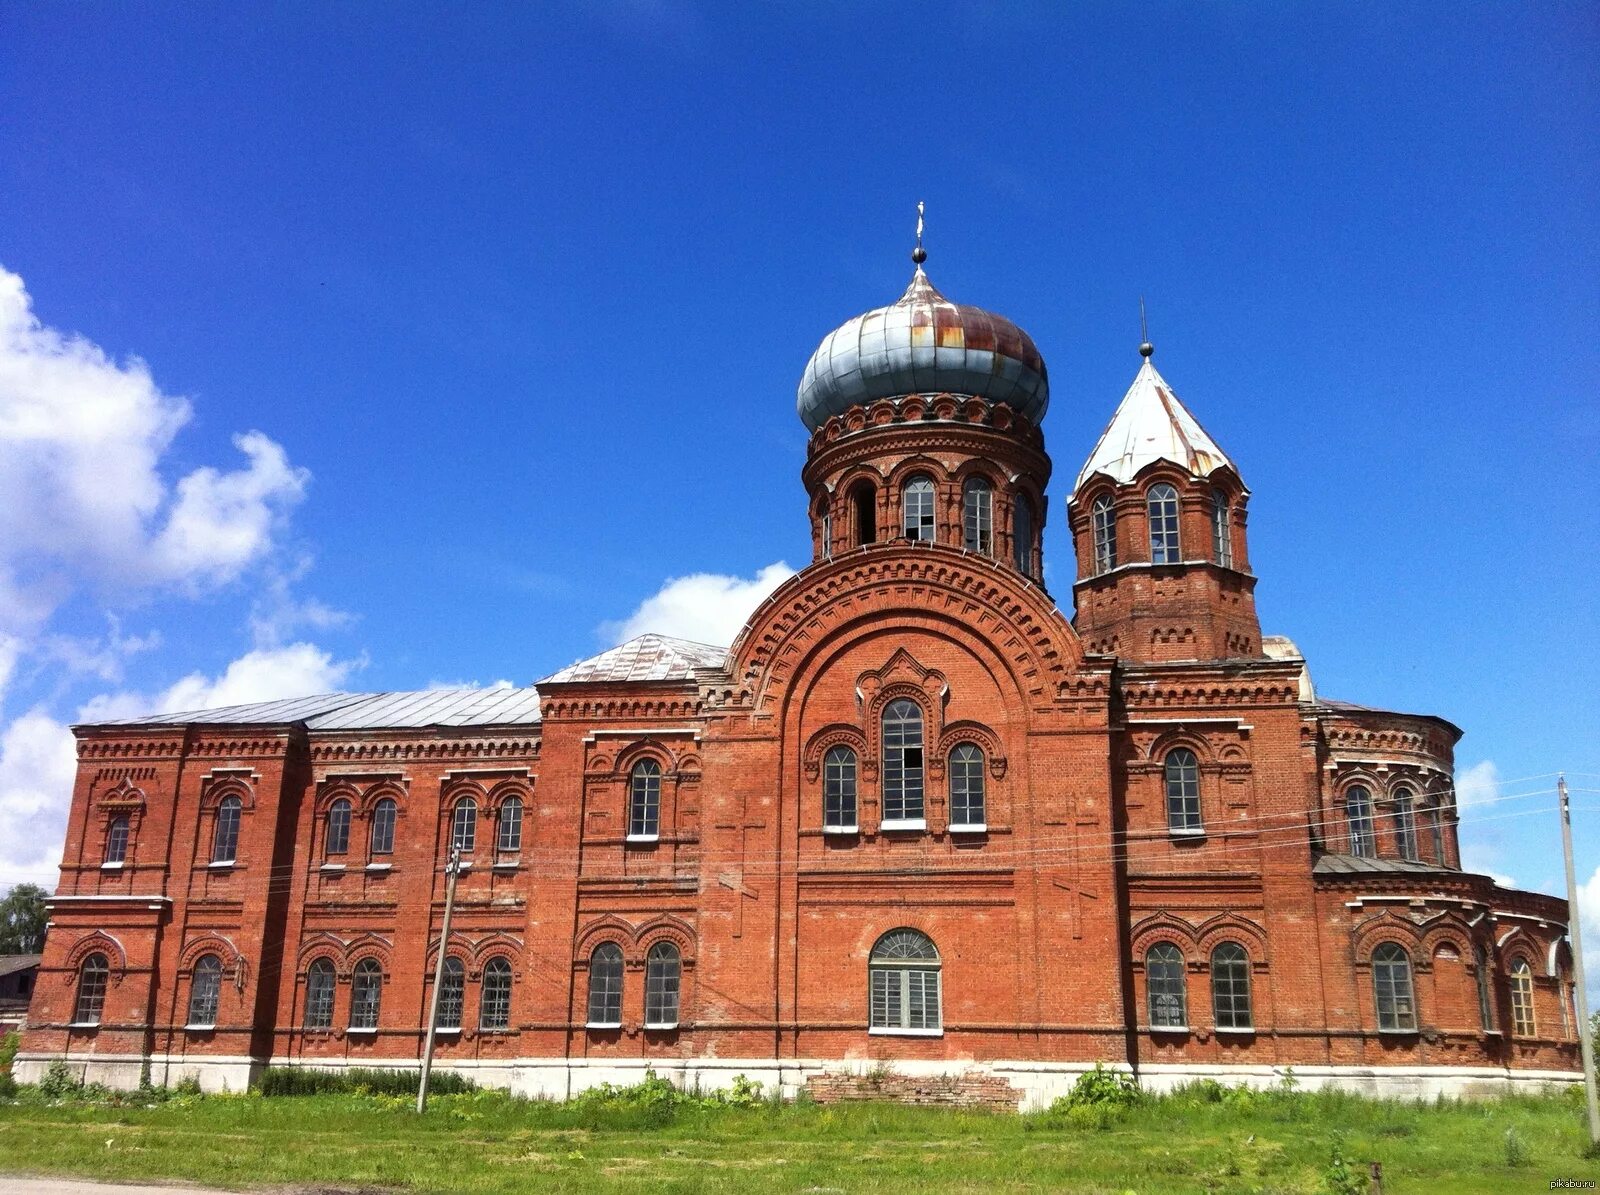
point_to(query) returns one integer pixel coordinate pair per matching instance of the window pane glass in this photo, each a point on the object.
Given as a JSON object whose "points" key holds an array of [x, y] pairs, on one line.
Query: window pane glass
{"points": [[917, 503], [205, 990], [605, 985], [839, 787], [383, 827], [91, 990], [661, 983], [1221, 533], [966, 786], [1162, 505], [464, 827], [366, 994], [225, 839], [319, 995], [1405, 825], [1230, 986], [117, 840], [1105, 535], [902, 761], [644, 798], [452, 993], [1164, 974], [1022, 536], [1522, 1021], [1358, 816], [977, 516], [1183, 790], [337, 840], [511, 824], [1391, 982], [494, 1008]]}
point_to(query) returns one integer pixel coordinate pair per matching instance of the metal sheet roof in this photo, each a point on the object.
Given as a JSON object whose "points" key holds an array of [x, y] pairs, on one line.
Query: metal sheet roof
{"points": [[10, 964], [1151, 425], [1343, 865], [368, 711], [647, 658]]}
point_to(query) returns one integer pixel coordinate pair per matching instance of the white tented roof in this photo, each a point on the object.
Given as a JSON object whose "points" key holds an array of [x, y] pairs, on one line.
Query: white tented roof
{"points": [[649, 657], [1152, 425]]}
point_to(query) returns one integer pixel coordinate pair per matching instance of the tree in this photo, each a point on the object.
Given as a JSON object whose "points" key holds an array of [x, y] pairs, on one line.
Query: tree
{"points": [[22, 920]]}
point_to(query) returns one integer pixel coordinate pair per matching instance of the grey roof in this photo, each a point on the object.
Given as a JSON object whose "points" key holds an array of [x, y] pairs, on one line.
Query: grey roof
{"points": [[10, 964], [1344, 865], [368, 711], [649, 657]]}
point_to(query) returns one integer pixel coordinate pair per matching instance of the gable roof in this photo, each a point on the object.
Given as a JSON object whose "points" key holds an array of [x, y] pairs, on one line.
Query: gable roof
{"points": [[646, 658], [367, 711], [10, 964], [1151, 425]]}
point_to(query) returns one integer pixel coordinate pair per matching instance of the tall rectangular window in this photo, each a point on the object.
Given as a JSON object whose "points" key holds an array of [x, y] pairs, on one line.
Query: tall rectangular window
{"points": [[1162, 505], [839, 789], [902, 764]]}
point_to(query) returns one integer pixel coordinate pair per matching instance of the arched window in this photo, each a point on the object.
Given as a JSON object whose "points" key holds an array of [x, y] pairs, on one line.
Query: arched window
{"points": [[205, 990], [1405, 825], [1564, 1000], [1022, 536], [966, 789], [494, 1004], [1480, 961], [1391, 986], [977, 515], [92, 976], [902, 765], [1183, 791], [662, 980], [827, 532], [1436, 832], [839, 789], [452, 994], [1105, 534], [319, 995], [366, 994], [1169, 997], [1162, 504], [916, 505], [336, 841], [1522, 1020], [644, 800], [1221, 532], [510, 825], [225, 835], [605, 986], [464, 826], [383, 814], [864, 504], [1358, 819], [117, 839], [1230, 987], [903, 984]]}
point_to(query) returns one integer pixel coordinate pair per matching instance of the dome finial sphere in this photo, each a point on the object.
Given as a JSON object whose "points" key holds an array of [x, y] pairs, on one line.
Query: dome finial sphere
{"points": [[1147, 350], [919, 255]]}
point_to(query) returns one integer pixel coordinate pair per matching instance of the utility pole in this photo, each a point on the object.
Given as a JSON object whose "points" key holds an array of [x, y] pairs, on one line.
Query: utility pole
{"points": [[438, 977], [1575, 931]]}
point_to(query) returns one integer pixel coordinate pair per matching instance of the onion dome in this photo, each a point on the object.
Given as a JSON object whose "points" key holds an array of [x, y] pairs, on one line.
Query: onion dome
{"points": [[923, 344]]}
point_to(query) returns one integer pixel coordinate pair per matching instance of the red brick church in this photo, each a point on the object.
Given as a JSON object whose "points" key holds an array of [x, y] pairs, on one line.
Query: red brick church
{"points": [[916, 816]]}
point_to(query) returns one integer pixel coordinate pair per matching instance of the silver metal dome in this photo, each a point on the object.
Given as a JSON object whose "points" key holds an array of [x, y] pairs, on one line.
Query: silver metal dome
{"points": [[923, 344]]}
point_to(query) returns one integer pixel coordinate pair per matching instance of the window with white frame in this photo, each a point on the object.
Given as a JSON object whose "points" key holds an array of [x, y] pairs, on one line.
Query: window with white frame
{"points": [[464, 826], [1221, 532], [366, 994], [903, 985], [225, 834], [1230, 987], [916, 503], [902, 765], [1358, 821], [605, 986], [319, 995], [967, 810], [452, 994], [1405, 824], [1522, 1019], [663, 975], [336, 837], [1182, 771], [205, 991], [1164, 978], [644, 800], [977, 515], [383, 817], [494, 1002], [1105, 534], [1161, 504], [1392, 990], [92, 977], [839, 789], [510, 826], [116, 840]]}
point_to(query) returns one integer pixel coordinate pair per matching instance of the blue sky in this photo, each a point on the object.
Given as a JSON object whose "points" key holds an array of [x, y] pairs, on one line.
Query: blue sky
{"points": [[517, 299]]}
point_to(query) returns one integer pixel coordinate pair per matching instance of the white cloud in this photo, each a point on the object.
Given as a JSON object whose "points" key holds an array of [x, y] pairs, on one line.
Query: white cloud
{"points": [[265, 674], [1477, 785], [704, 607], [1480, 848], [37, 761], [1589, 919]]}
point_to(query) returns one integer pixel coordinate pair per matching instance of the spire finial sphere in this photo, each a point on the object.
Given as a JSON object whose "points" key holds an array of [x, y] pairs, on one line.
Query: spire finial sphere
{"points": [[919, 254]]}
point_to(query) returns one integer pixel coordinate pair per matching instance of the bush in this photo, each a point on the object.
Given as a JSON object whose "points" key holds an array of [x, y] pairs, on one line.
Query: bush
{"points": [[8, 1086], [1340, 1177], [8, 1052], [1102, 1088], [59, 1082], [296, 1080]]}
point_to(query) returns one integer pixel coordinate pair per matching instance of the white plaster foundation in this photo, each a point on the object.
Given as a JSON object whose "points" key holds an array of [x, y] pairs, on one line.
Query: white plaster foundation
{"points": [[1039, 1082]]}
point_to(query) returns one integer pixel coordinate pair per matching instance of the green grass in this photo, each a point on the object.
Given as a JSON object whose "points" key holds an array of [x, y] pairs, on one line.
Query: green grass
{"points": [[489, 1142]]}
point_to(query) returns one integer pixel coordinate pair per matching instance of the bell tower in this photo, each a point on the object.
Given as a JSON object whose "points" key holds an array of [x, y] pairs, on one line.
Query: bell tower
{"points": [[1158, 522]]}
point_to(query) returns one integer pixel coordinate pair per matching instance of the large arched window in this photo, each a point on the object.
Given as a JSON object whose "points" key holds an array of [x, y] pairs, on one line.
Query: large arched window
{"points": [[1221, 532], [864, 509], [336, 839], [464, 826], [977, 515], [452, 994], [1162, 505], [1391, 988], [510, 826], [1169, 997], [902, 765], [225, 835], [92, 977], [662, 981], [1230, 987], [494, 1004], [903, 984], [839, 790], [205, 991], [1480, 964], [644, 801], [1405, 824], [1022, 535], [1358, 821], [366, 994], [1522, 1019], [1183, 792], [117, 840], [319, 995], [605, 986], [966, 789], [383, 815], [1105, 534], [916, 506]]}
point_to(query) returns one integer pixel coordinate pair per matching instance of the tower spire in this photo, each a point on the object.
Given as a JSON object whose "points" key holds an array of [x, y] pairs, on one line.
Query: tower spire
{"points": [[919, 254], [1146, 349]]}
